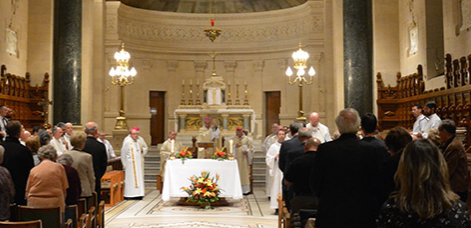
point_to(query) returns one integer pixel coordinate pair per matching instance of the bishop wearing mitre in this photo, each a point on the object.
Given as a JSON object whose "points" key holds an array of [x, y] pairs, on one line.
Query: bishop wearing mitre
{"points": [[210, 132], [242, 148], [131, 157]]}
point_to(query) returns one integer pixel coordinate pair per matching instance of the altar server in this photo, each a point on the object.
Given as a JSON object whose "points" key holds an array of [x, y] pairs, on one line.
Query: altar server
{"points": [[131, 157], [171, 145], [242, 149], [269, 140], [276, 176]]}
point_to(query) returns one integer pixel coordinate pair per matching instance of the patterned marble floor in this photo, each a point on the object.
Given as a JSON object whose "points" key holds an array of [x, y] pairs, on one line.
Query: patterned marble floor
{"points": [[250, 212]]}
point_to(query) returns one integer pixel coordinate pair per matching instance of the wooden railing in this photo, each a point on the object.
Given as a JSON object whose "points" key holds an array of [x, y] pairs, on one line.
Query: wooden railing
{"points": [[22, 98]]}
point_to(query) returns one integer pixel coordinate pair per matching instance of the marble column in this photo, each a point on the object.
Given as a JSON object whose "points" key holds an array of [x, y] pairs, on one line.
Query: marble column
{"points": [[182, 123], [67, 60], [358, 46], [224, 122], [246, 122]]}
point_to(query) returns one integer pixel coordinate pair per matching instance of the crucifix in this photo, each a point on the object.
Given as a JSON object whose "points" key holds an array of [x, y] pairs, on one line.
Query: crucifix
{"points": [[45, 113]]}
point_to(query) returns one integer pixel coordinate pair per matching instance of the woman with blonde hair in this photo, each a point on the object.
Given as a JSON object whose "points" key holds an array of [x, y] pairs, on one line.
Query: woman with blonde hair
{"points": [[424, 197]]}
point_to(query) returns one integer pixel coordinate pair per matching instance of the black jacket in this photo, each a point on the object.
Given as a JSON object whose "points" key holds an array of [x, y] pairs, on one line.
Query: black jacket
{"points": [[100, 159]]}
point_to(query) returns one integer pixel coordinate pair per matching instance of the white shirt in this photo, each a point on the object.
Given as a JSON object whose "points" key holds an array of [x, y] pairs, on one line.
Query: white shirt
{"points": [[433, 121], [3, 126], [320, 132], [109, 148], [58, 145], [419, 124]]}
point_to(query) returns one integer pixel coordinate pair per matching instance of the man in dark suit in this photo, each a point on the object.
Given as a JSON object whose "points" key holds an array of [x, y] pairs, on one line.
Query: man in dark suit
{"points": [[455, 157], [290, 150], [369, 124], [344, 171], [98, 152], [18, 160]]}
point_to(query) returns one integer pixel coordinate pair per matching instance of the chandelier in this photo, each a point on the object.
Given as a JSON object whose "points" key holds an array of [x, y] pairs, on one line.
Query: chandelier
{"points": [[122, 75], [300, 58]]}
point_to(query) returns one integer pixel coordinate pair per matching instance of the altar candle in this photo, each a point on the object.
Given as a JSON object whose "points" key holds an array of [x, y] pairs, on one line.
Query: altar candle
{"points": [[212, 22], [230, 146], [173, 145], [183, 82]]}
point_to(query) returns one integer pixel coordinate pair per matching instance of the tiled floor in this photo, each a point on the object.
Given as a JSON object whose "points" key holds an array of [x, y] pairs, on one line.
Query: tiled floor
{"points": [[252, 211]]}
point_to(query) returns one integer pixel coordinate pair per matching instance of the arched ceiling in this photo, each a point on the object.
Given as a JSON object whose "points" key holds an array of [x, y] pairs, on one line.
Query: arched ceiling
{"points": [[217, 6]]}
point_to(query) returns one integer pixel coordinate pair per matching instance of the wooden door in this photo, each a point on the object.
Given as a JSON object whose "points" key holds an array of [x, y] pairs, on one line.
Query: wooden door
{"points": [[157, 121], [272, 109]]}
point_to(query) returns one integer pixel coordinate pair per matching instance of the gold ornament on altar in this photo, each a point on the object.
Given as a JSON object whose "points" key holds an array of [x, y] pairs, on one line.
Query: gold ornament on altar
{"points": [[300, 58]]}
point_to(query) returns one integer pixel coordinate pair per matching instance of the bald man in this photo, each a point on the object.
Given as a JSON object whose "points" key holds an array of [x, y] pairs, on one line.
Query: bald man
{"points": [[98, 152], [319, 131]]}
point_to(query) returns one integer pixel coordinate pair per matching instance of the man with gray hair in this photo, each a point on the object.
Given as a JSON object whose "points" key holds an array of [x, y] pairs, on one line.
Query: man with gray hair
{"points": [[343, 177], [98, 152]]}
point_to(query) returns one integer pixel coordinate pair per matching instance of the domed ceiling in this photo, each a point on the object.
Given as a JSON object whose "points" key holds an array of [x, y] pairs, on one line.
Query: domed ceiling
{"points": [[218, 6]]}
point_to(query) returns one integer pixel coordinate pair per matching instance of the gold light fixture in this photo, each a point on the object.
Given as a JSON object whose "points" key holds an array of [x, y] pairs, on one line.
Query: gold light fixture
{"points": [[212, 33], [300, 58], [122, 76]]}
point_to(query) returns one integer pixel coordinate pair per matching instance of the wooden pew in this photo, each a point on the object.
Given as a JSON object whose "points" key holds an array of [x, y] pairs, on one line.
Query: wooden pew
{"points": [[28, 224], [51, 217]]}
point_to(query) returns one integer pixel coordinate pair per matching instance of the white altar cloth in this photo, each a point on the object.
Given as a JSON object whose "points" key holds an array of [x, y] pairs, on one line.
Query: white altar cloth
{"points": [[177, 175]]}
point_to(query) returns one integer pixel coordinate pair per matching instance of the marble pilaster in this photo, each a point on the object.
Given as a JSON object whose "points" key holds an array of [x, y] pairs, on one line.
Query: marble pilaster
{"points": [[67, 60], [357, 41]]}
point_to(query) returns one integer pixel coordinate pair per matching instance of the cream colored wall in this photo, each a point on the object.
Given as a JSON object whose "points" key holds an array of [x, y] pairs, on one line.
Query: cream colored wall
{"points": [[253, 42], [457, 43], [19, 23]]}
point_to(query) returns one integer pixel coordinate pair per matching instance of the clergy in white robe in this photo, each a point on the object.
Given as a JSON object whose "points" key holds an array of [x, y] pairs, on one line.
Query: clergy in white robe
{"points": [[56, 140], [269, 140], [171, 145], [209, 133], [319, 131], [276, 176], [242, 149], [131, 157]]}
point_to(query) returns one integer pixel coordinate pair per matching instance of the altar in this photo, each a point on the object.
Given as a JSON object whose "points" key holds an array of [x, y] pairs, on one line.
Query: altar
{"points": [[178, 174]]}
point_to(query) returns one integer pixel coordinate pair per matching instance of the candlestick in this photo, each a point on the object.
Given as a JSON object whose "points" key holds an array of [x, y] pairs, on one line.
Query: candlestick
{"points": [[231, 155], [212, 22], [172, 154]]}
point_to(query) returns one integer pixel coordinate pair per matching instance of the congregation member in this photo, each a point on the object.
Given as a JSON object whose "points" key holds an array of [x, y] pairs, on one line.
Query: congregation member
{"points": [[131, 157], [424, 197], [420, 119], [7, 189], [171, 145], [456, 159], [368, 127], [83, 163], [433, 121], [396, 140], [47, 182], [44, 137], [109, 148], [275, 176], [69, 129], [36, 130], [98, 152], [33, 145], [17, 159], [299, 176], [269, 140], [3, 122], [208, 133], [65, 141], [24, 136], [75, 188], [344, 171], [319, 131], [289, 151], [242, 147], [56, 141]]}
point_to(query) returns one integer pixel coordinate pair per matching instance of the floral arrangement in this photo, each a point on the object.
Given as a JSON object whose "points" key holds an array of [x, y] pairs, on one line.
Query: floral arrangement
{"points": [[184, 154], [220, 154], [203, 189]]}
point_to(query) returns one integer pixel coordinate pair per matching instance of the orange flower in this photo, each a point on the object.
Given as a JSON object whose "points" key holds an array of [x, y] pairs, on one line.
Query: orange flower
{"points": [[189, 153], [182, 153], [203, 173]]}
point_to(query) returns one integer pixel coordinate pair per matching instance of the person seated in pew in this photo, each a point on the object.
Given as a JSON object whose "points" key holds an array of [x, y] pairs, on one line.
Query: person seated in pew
{"points": [[75, 188], [47, 182], [7, 190]]}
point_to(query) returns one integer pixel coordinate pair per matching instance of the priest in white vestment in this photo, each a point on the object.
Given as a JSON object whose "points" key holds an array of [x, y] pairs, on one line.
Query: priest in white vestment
{"points": [[269, 140], [131, 157], [171, 145], [56, 140], [319, 131], [242, 149], [276, 176], [210, 132]]}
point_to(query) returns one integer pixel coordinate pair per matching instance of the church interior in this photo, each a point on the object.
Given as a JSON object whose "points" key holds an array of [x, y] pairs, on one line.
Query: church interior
{"points": [[228, 59]]}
